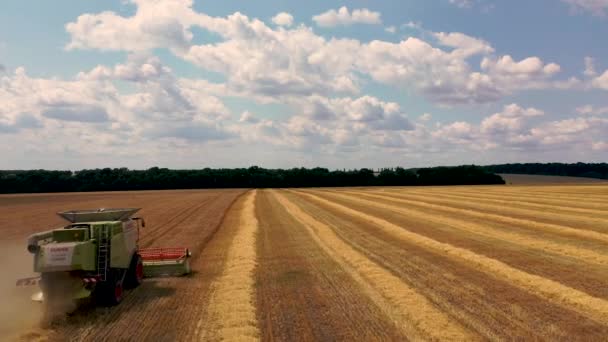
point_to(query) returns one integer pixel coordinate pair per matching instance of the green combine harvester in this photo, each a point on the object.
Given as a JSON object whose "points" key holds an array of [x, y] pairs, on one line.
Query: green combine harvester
{"points": [[97, 255]]}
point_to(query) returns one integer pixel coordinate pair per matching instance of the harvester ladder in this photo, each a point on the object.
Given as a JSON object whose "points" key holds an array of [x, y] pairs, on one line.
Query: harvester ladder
{"points": [[103, 251]]}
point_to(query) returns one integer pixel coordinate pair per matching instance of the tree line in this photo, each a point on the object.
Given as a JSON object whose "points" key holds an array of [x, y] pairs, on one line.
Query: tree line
{"points": [[32, 181], [588, 170]]}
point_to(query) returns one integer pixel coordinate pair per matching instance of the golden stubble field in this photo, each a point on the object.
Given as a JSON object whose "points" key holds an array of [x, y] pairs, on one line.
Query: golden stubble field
{"points": [[419, 263]]}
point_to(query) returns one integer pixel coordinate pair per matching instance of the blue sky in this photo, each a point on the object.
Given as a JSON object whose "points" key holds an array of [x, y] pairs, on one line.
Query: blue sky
{"points": [[180, 83]]}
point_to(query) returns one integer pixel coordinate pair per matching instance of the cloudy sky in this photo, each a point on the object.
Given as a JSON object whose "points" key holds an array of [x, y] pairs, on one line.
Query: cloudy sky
{"points": [[191, 84]]}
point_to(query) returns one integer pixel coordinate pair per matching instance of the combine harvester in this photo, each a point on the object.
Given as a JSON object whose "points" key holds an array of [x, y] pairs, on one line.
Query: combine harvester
{"points": [[97, 255]]}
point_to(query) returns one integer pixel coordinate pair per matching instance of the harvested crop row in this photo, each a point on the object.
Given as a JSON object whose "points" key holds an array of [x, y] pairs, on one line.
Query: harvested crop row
{"points": [[552, 291], [572, 272], [590, 222], [540, 198], [410, 311], [231, 311], [485, 305], [527, 241], [547, 227], [586, 201], [599, 189], [569, 189], [305, 295], [539, 207]]}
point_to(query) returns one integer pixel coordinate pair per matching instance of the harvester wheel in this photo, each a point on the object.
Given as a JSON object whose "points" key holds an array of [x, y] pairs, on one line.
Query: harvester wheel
{"points": [[118, 293], [111, 292], [135, 274]]}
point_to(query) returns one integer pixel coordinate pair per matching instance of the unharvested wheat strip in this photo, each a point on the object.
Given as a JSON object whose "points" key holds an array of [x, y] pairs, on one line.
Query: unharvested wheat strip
{"points": [[482, 198], [548, 227], [589, 306], [486, 208], [527, 241], [232, 310], [410, 311]]}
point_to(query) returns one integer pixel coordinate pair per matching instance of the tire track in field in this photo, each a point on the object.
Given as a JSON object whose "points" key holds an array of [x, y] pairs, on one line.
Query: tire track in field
{"points": [[514, 203], [588, 306], [232, 309], [176, 225], [177, 218], [547, 227], [411, 311], [527, 241], [175, 208]]}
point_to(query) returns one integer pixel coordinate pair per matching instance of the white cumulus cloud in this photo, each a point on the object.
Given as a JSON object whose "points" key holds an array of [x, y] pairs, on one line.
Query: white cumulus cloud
{"points": [[592, 110], [600, 146], [510, 121], [462, 3], [283, 19], [343, 17], [464, 45], [601, 81], [270, 64], [590, 67]]}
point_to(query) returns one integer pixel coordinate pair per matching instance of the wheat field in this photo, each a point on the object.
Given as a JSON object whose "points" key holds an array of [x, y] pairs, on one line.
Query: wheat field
{"points": [[461, 263]]}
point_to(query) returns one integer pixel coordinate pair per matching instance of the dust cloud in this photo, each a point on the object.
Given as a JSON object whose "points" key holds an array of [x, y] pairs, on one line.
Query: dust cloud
{"points": [[18, 313]]}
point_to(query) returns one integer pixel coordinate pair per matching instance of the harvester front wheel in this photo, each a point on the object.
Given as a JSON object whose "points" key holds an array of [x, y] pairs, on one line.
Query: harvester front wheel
{"points": [[135, 274]]}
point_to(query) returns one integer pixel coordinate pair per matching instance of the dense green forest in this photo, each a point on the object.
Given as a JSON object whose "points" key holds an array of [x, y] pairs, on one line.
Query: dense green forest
{"points": [[253, 177], [589, 170]]}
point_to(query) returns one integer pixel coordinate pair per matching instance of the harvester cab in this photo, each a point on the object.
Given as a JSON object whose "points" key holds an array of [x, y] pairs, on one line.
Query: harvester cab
{"points": [[97, 254]]}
